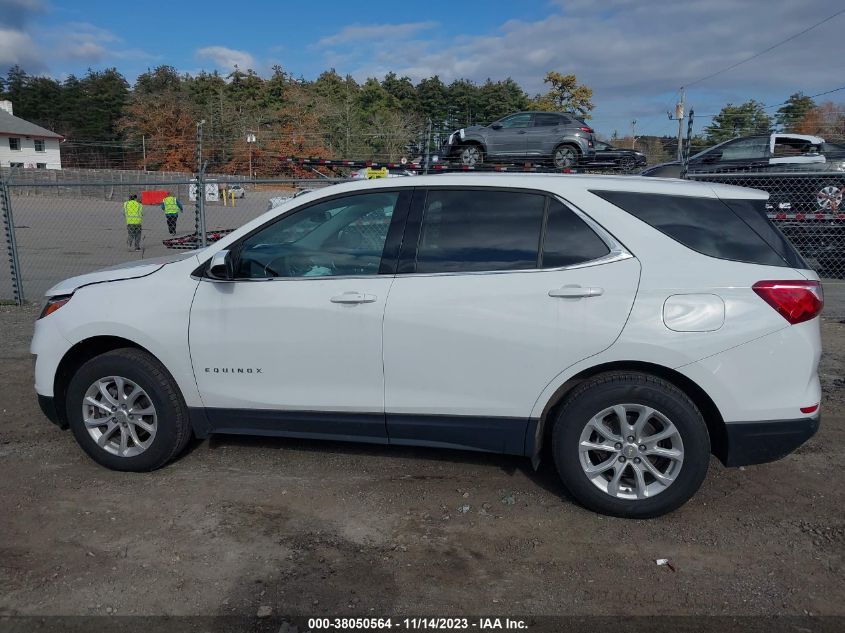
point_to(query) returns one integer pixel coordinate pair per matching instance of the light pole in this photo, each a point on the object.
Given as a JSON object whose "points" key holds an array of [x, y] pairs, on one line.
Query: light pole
{"points": [[250, 139]]}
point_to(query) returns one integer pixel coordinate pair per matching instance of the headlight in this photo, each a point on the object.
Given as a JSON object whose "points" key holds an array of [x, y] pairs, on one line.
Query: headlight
{"points": [[53, 304]]}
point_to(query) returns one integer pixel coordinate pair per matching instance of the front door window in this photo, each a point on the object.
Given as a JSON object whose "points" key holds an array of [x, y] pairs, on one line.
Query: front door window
{"points": [[343, 236]]}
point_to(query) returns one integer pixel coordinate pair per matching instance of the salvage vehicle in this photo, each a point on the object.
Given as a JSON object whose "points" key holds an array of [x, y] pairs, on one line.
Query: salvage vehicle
{"points": [[801, 172], [627, 327], [564, 140], [610, 157]]}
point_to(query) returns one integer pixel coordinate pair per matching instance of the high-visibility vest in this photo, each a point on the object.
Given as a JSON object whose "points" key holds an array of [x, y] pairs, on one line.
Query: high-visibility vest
{"points": [[171, 206], [134, 211]]}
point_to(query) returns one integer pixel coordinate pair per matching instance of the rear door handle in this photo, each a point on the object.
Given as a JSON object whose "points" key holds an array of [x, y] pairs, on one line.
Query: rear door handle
{"points": [[576, 292], [353, 297]]}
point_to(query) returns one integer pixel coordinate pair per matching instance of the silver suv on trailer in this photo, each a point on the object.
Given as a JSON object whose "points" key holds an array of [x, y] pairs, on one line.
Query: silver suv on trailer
{"points": [[562, 139]]}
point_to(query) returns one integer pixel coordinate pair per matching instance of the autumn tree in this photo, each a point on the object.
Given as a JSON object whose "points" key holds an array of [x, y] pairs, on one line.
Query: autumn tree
{"points": [[565, 95], [826, 120]]}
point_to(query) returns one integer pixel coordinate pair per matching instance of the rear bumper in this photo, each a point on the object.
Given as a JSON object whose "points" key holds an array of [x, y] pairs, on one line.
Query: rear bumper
{"points": [[48, 407], [760, 442]]}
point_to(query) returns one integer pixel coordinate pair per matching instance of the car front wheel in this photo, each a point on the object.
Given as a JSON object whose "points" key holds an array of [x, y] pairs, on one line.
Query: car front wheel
{"points": [[471, 155], [565, 156], [126, 411], [630, 444], [829, 198]]}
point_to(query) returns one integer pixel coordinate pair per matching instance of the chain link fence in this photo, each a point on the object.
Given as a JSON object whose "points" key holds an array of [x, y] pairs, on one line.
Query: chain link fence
{"points": [[64, 227], [71, 222]]}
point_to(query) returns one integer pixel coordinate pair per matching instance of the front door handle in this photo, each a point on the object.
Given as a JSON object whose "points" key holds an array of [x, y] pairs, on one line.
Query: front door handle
{"points": [[576, 292], [353, 297]]}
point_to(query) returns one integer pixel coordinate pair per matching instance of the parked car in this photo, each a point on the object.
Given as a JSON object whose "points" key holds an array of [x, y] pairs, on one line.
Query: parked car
{"points": [[608, 156], [565, 140], [630, 325], [801, 172], [237, 191], [276, 201]]}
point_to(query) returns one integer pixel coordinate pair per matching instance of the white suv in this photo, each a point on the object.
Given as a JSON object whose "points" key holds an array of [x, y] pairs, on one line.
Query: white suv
{"points": [[628, 327]]}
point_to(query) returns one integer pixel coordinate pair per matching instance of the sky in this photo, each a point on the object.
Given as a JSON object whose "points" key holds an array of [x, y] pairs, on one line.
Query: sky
{"points": [[634, 54]]}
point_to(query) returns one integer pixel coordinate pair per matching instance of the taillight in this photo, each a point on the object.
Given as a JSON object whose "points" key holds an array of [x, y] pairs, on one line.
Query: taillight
{"points": [[53, 304], [796, 301], [587, 129]]}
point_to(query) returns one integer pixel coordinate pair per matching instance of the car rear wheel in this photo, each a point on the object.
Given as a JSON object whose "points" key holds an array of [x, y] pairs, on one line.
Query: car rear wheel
{"points": [[472, 155], [627, 163], [565, 156], [126, 411], [630, 444]]}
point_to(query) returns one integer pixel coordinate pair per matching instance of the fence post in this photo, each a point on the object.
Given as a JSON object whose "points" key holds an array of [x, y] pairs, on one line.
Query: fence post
{"points": [[686, 152], [11, 244], [200, 205]]}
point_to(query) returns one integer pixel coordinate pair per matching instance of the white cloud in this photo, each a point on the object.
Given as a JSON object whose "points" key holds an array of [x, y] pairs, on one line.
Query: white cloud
{"points": [[17, 47], [364, 32], [635, 55], [85, 42], [226, 58]]}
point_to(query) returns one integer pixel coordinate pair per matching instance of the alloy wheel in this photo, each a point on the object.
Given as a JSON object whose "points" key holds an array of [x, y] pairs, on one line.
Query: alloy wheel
{"points": [[119, 416], [829, 198], [631, 451], [471, 155], [565, 157]]}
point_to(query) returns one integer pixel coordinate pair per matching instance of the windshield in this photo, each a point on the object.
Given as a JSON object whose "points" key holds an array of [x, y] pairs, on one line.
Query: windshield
{"points": [[709, 149]]}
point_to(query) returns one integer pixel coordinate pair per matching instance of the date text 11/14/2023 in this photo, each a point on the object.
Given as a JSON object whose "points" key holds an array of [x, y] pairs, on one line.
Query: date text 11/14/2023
{"points": [[418, 624]]}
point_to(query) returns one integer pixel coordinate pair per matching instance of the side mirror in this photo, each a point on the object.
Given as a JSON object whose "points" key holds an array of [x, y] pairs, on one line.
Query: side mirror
{"points": [[496, 126], [221, 267]]}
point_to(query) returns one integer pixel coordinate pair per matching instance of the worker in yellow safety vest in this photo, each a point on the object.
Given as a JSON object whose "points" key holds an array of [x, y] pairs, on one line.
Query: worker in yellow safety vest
{"points": [[133, 211], [171, 207]]}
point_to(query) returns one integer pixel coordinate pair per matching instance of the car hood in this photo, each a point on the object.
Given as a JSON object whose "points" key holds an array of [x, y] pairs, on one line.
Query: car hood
{"points": [[128, 270]]}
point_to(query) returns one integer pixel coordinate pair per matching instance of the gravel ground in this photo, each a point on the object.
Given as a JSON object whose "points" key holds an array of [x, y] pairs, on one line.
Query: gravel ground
{"points": [[62, 237], [239, 525]]}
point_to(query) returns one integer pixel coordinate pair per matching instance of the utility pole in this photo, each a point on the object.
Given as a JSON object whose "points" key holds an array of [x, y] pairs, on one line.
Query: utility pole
{"points": [[633, 133], [679, 117], [144, 151], [679, 114]]}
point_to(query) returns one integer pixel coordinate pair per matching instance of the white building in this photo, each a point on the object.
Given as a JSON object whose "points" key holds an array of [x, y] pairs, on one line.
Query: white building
{"points": [[26, 145]]}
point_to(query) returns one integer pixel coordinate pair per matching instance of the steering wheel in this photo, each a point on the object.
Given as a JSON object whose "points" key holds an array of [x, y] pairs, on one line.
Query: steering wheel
{"points": [[291, 266], [270, 270]]}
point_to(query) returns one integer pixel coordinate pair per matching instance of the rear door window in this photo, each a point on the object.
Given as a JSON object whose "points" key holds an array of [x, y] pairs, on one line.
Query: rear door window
{"points": [[733, 230], [477, 230], [547, 120], [568, 240]]}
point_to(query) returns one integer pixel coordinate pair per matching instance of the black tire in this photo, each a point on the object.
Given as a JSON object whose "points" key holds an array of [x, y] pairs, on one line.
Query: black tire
{"points": [[607, 390], [173, 423], [627, 164]]}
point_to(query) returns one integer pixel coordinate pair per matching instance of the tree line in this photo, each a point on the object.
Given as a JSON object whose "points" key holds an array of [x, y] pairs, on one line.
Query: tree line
{"points": [[799, 114], [250, 119]]}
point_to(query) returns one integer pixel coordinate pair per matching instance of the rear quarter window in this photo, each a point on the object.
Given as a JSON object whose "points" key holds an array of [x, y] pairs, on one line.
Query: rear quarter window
{"points": [[711, 226]]}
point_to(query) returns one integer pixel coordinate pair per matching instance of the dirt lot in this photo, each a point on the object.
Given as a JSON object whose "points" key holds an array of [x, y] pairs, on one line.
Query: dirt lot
{"points": [[59, 237], [325, 528]]}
